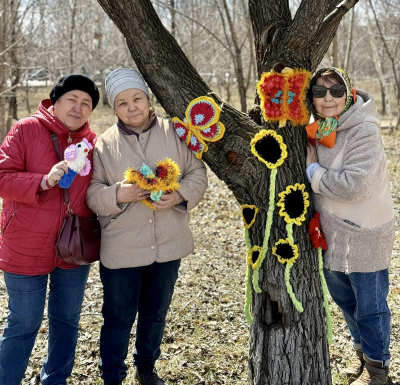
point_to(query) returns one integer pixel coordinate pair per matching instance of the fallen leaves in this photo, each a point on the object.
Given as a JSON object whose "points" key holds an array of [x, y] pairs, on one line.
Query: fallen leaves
{"points": [[206, 336]]}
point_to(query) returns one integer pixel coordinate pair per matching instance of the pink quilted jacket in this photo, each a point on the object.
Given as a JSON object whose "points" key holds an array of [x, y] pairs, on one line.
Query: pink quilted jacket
{"points": [[31, 218]]}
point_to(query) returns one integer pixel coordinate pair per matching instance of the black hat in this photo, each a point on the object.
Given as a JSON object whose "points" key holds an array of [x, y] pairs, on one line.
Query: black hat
{"points": [[75, 82]]}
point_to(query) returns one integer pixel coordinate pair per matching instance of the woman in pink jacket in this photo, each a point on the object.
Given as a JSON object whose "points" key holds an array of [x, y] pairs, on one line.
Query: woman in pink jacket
{"points": [[33, 212]]}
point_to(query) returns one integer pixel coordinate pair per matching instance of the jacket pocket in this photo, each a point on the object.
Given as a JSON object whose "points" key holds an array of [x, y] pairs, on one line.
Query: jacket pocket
{"points": [[355, 248], [5, 227]]}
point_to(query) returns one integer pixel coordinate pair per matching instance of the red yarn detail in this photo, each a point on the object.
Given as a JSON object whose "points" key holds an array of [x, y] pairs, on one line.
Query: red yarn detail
{"points": [[161, 172], [316, 235]]}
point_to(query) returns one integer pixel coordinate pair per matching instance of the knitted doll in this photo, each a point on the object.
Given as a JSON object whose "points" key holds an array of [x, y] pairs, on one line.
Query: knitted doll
{"points": [[77, 162]]}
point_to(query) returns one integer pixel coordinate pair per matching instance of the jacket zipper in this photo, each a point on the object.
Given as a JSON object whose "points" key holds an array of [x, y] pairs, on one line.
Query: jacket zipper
{"points": [[8, 223], [346, 266]]}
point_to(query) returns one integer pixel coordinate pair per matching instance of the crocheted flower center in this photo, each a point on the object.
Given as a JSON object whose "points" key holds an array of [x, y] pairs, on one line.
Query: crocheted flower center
{"points": [[254, 256], [248, 214], [269, 149], [294, 204], [285, 251]]}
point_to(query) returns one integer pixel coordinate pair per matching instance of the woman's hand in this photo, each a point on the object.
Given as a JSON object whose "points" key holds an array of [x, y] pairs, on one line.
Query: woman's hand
{"points": [[128, 192], [56, 173], [167, 201], [312, 156]]}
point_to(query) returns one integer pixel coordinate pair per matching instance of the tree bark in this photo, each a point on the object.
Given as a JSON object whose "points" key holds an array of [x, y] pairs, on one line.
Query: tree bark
{"points": [[286, 347]]}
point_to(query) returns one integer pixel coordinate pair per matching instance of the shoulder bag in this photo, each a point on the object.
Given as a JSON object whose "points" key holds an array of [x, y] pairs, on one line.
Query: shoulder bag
{"points": [[79, 239]]}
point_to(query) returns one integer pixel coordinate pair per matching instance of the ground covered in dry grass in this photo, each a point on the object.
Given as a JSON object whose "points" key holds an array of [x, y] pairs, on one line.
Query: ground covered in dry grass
{"points": [[206, 339]]}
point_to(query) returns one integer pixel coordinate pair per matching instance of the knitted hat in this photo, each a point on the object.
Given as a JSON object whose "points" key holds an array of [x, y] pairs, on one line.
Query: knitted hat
{"points": [[75, 82], [122, 79]]}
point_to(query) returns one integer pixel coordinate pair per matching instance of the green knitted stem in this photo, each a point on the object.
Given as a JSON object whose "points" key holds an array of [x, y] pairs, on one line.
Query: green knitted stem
{"points": [[289, 288], [249, 296], [324, 292], [268, 225], [289, 230], [247, 239]]}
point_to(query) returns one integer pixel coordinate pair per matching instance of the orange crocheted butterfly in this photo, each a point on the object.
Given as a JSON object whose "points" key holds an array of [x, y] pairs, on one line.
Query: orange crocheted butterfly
{"points": [[283, 96], [201, 124]]}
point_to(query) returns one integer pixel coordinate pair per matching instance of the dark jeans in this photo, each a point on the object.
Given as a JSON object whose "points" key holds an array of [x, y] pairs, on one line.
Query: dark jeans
{"points": [[362, 299], [27, 297], [145, 290]]}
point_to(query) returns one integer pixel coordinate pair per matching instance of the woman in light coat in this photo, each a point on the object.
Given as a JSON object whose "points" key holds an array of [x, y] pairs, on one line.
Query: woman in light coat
{"points": [[141, 248], [349, 177]]}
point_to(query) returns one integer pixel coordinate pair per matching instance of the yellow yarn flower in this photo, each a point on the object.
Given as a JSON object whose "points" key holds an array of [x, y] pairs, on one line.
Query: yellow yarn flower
{"points": [[249, 213], [164, 179], [268, 147], [286, 251], [293, 203], [254, 257]]}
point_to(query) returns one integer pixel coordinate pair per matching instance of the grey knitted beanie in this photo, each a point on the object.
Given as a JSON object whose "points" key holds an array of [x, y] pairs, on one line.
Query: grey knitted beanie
{"points": [[122, 79]]}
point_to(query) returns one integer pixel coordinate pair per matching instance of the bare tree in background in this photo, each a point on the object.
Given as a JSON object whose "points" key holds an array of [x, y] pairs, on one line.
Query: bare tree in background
{"points": [[392, 47], [379, 69], [19, 21], [286, 347]]}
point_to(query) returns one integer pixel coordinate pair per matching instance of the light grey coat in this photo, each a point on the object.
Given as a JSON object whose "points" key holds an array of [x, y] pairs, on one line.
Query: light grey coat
{"points": [[353, 184], [132, 234]]}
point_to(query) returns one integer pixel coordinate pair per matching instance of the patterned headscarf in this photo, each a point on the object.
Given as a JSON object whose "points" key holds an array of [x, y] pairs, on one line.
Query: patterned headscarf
{"points": [[324, 129]]}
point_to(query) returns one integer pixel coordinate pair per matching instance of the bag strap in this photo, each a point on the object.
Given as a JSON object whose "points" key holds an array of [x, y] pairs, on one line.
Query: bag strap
{"points": [[54, 138]]}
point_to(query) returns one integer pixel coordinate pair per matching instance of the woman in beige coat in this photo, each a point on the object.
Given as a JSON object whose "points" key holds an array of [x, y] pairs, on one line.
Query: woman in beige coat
{"points": [[141, 248]]}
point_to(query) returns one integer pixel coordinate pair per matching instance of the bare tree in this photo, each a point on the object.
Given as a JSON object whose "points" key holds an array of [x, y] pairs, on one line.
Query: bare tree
{"points": [[236, 51], [18, 24], [392, 57], [286, 347], [349, 41], [379, 69]]}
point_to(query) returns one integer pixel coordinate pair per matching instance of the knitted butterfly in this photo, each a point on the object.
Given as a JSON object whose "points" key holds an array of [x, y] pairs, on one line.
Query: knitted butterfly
{"points": [[201, 124]]}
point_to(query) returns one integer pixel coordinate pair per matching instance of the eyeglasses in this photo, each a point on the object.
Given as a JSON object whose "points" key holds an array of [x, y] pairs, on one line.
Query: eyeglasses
{"points": [[336, 91]]}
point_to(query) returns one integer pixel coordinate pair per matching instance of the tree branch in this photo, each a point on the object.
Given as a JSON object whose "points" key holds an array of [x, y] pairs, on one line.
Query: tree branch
{"points": [[175, 82], [198, 23], [336, 15], [388, 52]]}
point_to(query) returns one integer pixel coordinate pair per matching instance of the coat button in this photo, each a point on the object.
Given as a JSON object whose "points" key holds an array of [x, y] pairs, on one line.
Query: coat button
{"points": [[150, 221], [152, 247]]}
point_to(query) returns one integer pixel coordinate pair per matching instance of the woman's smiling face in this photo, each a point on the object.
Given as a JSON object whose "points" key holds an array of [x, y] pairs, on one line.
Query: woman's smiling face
{"points": [[132, 106], [329, 106]]}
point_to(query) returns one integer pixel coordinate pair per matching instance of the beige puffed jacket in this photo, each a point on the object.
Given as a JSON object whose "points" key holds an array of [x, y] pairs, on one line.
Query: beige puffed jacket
{"points": [[132, 234], [352, 193]]}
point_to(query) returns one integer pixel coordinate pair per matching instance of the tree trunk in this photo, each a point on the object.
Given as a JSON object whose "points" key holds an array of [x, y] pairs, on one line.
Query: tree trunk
{"points": [[392, 60], [286, 347], [349, 41], [383, 97], [15, 76], [71, 37], [380, 71], [335, 52], [237, 59], [3, 68]]}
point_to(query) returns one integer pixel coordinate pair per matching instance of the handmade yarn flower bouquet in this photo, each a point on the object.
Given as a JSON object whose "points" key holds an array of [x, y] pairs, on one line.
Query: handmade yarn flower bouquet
{"points": [[163, 180]]}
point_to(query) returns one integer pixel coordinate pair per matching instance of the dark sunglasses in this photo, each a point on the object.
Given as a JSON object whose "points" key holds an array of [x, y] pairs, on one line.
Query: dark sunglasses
{"points": [[337, 91]]}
